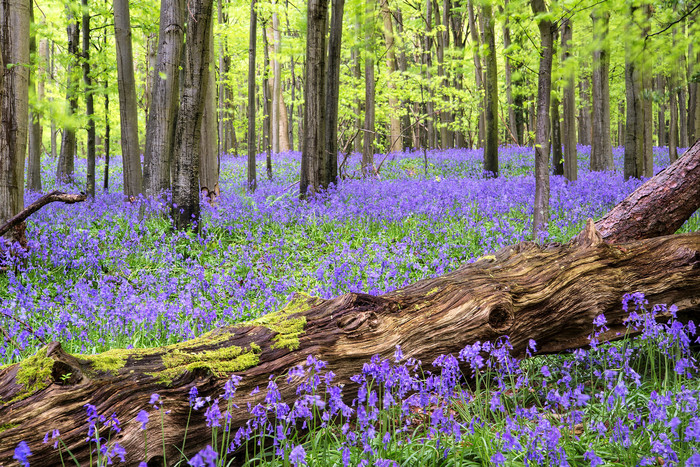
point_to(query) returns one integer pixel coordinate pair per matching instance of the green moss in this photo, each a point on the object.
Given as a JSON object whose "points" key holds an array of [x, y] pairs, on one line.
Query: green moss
{"points": [[433, 291], [218, 362], [8, 426], [288, 329], [34, 374]]}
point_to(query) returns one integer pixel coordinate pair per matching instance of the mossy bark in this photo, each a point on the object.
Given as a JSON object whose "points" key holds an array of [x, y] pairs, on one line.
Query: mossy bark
{"points": [[527, 291]]}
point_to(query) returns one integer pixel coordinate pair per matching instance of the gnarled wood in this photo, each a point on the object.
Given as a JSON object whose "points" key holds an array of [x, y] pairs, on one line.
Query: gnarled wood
{"points": [[38, 204]]}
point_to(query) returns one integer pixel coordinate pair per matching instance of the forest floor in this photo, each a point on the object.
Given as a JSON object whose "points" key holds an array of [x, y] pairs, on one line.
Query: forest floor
{"points": [[108, 274]]}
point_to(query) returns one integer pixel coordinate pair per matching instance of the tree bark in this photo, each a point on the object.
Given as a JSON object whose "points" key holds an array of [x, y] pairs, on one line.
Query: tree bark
{"points": [[569, 108], [266, 103], [329, 163], [673, 119], [89, 104], [252, 42], [314, 97], [36, 90], [491, 92], [368, 136], [276, 83], [131, 158], [209, 155], [544, 88], [66, 159], [584, 116], [601, 144], [14, 100], [188, 130], [478, 73], [160, 127], [557, 154], [527, 292], [395, 138], [634, 123], [661, 111], [660, 206]]}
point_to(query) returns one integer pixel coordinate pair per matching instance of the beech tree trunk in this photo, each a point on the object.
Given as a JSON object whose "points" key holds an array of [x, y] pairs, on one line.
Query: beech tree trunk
{"points": [[209, 155], [329, 163], [66, 159], [131, 157], [569, 108], [526, 291], [89, 103], [544, 88], [250, 138], [478, 73], [395, 138], [601, 144], [14, 109], [584, 116], [491, 92], [160, 127], [185, 207], [36, 89]]}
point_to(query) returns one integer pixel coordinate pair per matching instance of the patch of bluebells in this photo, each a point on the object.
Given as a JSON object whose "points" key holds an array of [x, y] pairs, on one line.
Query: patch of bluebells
{"points": [[588, 407], [107, 273]]}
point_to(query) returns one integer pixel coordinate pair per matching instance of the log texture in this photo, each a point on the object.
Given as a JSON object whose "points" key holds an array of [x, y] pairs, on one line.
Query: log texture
{"points": [[658, 207], [527, 291]]}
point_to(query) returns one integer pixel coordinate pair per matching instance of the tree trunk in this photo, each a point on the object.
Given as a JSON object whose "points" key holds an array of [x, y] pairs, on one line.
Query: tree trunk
{"points": [[185, 207], [660, 206], [89, 104], [66, 159], [105, 185], [368, 140], [395, 137], [329, 163], [512, 126], [252, 42], [276, 83], [208, 154], [544, 87], [569, 108], [36, 89], [661, 111], [131, 158], [584, 116], [528, 292], [266, 103], [601, 144], [673, 120], [314, 97], [491, 92], [477, 69], [557, 155], [160, 128], [427, 60], [14, 104], [634, 124]]}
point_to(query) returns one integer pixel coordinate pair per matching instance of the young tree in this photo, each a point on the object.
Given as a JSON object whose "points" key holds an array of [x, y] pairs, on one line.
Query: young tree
{"points": [[66, 160], [252, 42], [208, 154], [368, 140], [491, 95], [89, 103], [395, 140], [601, 144], [544, 87], [14, 99], [478, 73], [36, 91], [569, 107], [131, 158], [314, 97], [185, 208], [329, 164], [160, 127]]}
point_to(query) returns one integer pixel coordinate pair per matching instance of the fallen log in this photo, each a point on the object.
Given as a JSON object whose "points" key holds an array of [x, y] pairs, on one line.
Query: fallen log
{"points": [[527, 291], [52, 197], [660, 206]]}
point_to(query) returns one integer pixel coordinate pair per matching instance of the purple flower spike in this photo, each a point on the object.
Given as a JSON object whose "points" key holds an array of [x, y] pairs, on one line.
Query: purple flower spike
{"points": [[22, 451]]}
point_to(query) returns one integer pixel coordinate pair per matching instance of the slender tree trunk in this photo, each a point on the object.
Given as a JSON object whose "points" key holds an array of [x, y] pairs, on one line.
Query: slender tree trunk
{"points": [[329, 163], [185, 207], [14, 103], [208, 155], [569, 108], [557, 154], [661, 111], [513, 130], [620, 123], [66, 160], [313, 149], [36, 90], [54, 130], [477, 69], [428, 62], [395, 138], [160, 127], [267, 103], [491, 92], [585, 127], [105, 185], [252, 42], [693, 88], [89, 103], [544, 86], [276, 83], [673, 124], [634, 124], [133, 178], [696, 114], [222, 128], [440, 55], [601, 144], [368, 140]]}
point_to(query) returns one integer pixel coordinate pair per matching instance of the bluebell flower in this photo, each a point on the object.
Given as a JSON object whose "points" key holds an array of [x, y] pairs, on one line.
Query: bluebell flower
{"points": [[22, 452]]}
